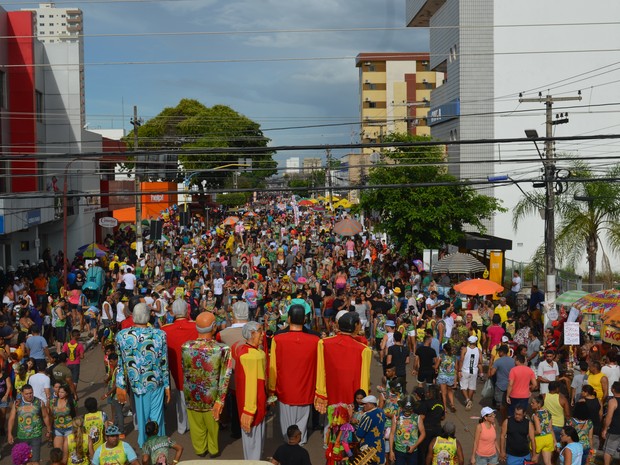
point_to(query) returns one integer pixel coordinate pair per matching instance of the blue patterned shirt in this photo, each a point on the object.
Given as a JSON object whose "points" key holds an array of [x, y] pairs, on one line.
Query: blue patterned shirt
{"points": [[143, 358]]}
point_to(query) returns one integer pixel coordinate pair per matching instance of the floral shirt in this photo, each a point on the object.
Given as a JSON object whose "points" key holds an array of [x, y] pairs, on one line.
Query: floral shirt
{"points": [[583, 430], [29, 419], [207, 367], [545, 421], [406, 433], [447, 365], [143, 358]]}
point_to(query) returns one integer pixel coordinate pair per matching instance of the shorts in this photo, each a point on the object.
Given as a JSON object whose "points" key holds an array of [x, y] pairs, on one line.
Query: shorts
{"points": [[492, 460], [426, 376], [514, 460], [544, 443], [468, 382], [4, 404], [499, 396], [63, 432], [35, 444], [612, 444], [329, 313], [317, 312], [350, 253], [60, 333], [445, 379]]}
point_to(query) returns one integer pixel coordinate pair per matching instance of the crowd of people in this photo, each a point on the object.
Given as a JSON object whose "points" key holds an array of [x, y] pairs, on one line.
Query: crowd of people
{"points": [[277, 313]]}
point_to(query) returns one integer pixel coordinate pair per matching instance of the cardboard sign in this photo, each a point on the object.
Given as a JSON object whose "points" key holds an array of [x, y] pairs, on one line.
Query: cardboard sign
{"points": [[571, 334]]}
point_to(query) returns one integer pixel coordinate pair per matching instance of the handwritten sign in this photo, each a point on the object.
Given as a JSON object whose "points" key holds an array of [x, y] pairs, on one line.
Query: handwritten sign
{"points": [[571, 334]]}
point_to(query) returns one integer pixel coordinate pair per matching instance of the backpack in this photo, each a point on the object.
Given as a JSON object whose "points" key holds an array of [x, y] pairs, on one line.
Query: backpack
{"points": [[72, 351]]}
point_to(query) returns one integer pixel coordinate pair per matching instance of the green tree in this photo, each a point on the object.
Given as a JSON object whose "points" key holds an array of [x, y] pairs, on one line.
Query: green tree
{"points": [[581, 226], [192, 125], [315, 178], [425, 217]]}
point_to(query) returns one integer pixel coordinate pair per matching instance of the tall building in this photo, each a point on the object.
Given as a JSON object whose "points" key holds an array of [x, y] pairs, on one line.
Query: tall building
{"points": [[461, 47], [292, 165], [395, 94], [311, 164]]}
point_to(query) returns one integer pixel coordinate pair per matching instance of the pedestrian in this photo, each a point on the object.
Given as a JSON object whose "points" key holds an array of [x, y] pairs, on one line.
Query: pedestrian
{"points": [[371, 428], [116, 408], [543, 429], [30, 414], [250, 378], [36, 346], [424, 363], [584, 427], [572, 452], [398, 355], [79, 443], [516, 439], [611, 428], [63, 412], [598, 380], [143, 361], [470, 364], [156, 449], [445, 366], [407, 433], [59, 323], [114, 451], [177, 332], [62, 374], [521, 381], [558, 407], [94, 422], [40, 383], [292, 372], [501, 370], [548, 371], [445, 448], [291, 453], [205, 391], [74, 350], [485, 450]]}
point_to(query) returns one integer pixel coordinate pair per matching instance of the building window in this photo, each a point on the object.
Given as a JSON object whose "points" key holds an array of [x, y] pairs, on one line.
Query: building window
{"points": [[41, 24], [42, 32], [41, 16], [40, 108], [63, 24]]}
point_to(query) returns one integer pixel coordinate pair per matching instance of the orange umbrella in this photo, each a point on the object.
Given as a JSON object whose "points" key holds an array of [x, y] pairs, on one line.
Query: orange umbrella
{"points": [[230, 221], [305, 203], [478, 287], [348, 227], [612, 316]]}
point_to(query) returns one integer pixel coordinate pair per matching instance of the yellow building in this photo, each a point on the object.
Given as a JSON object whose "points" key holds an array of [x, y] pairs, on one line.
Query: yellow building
{"points": [[395, 91]]}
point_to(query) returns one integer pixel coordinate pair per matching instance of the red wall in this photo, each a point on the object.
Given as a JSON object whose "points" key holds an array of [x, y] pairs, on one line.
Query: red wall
{"points": [[22, 104]]}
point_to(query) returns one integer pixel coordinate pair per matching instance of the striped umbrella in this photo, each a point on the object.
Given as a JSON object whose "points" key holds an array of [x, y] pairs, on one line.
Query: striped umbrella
{"points": [[570, 297], [459, 263], [598, 302]]}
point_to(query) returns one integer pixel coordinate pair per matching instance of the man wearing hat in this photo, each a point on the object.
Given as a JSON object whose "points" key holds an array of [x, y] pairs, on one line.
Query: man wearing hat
{"points": [[143, 361], [470, 364], [231, 336], [343, 365], [113, 450], [406, 433], [292, 371], [207, 367], [177, 333], [371, 428]]}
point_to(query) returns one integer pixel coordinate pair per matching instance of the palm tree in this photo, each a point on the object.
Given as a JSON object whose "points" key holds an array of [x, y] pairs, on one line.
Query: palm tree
{"points": [[581, 225]]}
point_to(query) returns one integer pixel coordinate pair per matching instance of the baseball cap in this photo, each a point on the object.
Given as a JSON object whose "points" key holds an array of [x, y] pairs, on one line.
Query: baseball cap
{"points": [[369, 400], [340, 313], [505, 339], [486, 411], [397, 290], [472, 339], [390, 323]]}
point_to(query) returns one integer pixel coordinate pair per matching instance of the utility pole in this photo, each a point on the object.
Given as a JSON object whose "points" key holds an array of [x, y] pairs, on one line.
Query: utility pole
{"points": [[329, 177], [549, 178], [137, 122]]}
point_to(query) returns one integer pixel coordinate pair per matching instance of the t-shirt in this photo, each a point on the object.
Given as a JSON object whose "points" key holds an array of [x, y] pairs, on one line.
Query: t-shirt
{"points": [[517, 284], [156, 447], [613, 374], [521, 376], [122, 453], [399, 355], [551, 372], [503, 366], [75, 351], [40, 382], [426, 355], [288, 454], [36, 345], [502, 311], [495, 333], [62, 373]]}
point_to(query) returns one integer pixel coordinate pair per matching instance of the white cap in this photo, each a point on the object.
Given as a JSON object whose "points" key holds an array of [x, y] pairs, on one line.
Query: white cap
{"points": [[340, 313], [505, 339], [472, 339], [369, 400], [486, 411]]}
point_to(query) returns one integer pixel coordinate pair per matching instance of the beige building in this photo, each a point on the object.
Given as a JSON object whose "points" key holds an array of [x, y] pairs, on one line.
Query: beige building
{"points": [[395, 90]]}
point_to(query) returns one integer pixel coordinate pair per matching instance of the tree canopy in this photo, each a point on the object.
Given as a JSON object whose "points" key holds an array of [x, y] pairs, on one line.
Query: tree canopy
{"points": [[425, 217], [192, 125]]}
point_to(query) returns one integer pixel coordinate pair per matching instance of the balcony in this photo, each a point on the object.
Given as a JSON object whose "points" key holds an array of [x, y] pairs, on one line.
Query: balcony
{"points": [[76, 28], [419, 12]]}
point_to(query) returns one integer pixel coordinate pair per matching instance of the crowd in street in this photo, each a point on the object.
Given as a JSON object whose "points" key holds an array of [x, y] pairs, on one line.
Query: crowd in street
{"points": [[273, 313]]}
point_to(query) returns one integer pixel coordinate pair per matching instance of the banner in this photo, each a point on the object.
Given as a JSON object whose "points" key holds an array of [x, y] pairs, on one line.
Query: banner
{"points": [[610, 334], [496, 263]]}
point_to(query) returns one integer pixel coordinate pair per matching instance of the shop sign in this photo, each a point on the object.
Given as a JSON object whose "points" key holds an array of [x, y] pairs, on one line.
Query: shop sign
{"points": [[108, 222], [611, 334]]}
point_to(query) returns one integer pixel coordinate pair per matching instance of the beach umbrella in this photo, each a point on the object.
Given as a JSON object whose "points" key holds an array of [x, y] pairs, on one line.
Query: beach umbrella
{"points": [[305, 203], [230, 221], [348, 227], [93, 250], [569, 297], [598, 302], [478, 287], [459, 263]]}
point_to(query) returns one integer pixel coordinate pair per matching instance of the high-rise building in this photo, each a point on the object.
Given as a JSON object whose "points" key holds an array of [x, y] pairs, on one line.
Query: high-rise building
{"points": [[292, 165], [461, 47], [311, 164], [395, 92]]}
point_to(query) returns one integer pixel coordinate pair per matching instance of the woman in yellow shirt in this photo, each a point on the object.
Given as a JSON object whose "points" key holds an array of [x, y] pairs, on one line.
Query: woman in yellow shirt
{"points": [[598, 380]]}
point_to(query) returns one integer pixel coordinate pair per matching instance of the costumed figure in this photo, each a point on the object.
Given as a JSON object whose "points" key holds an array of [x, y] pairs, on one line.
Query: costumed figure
{"points": [[339, 437]]}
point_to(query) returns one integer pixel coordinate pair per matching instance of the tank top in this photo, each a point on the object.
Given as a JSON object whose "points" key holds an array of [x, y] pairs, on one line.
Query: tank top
{"points": [[114, 455], [517, 443], [93, 424], [72, 450], [552, 403], [486, 442], [444, 451], [62, 415], [471, 360], [577, 452], [595, 382], [614, 427]]}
